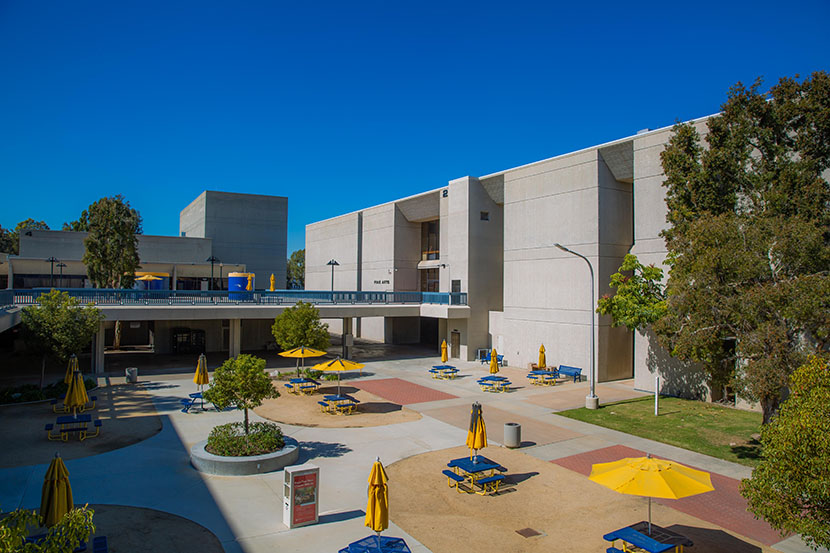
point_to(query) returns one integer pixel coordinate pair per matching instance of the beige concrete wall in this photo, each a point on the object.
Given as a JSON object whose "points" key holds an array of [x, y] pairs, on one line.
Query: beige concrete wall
{"points": [[547, 296], [332, 239], [407, 237]]}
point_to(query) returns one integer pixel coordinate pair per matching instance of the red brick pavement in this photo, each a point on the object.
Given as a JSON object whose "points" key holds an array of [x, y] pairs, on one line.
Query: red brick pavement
{"points": [[724, 507], [400, 391]]}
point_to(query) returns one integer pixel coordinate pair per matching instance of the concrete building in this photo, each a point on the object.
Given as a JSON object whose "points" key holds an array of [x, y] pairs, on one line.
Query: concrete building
{"points": [[495, 238], [246, 229]]}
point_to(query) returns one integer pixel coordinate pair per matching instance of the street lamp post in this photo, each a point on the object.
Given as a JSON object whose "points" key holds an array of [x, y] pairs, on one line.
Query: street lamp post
{"points": [[52, 260], [61, 265], [333, 264], [213, 259], [591, 400]]}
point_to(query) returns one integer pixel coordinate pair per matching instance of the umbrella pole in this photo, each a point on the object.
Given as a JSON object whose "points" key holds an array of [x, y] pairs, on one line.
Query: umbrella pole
{"points": [[649, 516]]}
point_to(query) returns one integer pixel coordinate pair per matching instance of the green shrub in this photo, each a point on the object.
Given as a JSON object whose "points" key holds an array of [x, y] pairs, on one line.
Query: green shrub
{"points": [[311, 373], [230, 440], [31, 392], [330, 376]]}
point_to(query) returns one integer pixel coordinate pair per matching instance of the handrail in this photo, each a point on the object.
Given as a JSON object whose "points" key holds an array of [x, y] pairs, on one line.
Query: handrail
{"points": [[107, 297]]}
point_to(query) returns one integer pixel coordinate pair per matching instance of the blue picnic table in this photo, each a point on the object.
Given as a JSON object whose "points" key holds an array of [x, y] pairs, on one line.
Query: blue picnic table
{"points": [[377, 544], [658, 541]]}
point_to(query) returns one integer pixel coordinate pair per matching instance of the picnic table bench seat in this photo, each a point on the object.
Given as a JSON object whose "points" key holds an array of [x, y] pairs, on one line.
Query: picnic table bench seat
{"points": [[324, 406], [575, 372], [637, 539], [99, 545], [614, 550]]}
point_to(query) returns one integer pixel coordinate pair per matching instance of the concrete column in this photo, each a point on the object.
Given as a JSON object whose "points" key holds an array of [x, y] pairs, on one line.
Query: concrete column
{"points": [[235, 337], [348, 337], [98, 351], [175, 276], [10, 283]]}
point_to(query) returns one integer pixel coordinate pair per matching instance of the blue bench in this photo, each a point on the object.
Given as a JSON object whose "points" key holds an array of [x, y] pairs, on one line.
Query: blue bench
{"points": [[324, 406], [489, 484], [453, 480], [571, 371], [614, 550], [499, 359]]}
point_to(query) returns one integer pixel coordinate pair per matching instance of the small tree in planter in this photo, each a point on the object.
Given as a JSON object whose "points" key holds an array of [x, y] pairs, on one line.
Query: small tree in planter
{"points": [[242, 382]]}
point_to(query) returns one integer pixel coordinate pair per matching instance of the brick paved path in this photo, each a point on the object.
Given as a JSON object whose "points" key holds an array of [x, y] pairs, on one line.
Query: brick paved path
{"points": [[400, 391]]}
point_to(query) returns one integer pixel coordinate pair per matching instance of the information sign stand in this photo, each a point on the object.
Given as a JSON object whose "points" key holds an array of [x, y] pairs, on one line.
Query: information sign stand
{"points": [[301, 495]]}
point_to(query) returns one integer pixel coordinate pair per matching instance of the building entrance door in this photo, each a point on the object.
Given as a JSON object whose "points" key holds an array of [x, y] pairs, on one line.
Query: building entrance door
{"points": [[455, 344]]}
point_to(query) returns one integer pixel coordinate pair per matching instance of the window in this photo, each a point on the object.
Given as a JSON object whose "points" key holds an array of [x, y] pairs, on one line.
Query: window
{"points": [[485, 215], [429, 241], [429, 280]]}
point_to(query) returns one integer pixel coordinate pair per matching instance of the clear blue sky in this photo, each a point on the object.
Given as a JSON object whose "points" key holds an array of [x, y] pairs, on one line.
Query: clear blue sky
{"points": [[344, 105]]}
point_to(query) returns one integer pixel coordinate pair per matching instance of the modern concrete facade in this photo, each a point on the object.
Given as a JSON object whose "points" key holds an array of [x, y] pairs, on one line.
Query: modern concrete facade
{"points": [[497, 243], [249, 229]]}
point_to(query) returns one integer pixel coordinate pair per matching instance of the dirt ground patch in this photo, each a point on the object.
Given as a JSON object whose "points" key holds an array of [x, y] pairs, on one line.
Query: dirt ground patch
{"points": [[304, 410], [127, 413], [570, 512]]}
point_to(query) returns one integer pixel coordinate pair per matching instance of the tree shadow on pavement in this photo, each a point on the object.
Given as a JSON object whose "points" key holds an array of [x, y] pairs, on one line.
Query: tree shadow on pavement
{"points": [[313, 450], [714, 541]]}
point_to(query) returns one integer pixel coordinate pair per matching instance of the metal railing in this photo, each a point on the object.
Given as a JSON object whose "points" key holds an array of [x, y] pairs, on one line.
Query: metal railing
{"points": [[107, 297]]}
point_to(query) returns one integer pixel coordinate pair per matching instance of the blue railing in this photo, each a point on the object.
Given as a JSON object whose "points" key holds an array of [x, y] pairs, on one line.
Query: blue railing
{"points": [[104, 297]]}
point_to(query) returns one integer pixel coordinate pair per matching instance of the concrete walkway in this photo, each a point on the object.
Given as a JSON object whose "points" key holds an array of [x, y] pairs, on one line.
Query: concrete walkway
{"points": [[245, 513]]}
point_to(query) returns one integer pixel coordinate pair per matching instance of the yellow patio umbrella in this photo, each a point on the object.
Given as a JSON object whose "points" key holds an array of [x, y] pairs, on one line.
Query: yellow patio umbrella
{"points": [[147, 279], [542, 361], [649, 477], [273, 282], [301, 353], [338, 365], [444, 356], [494, 362], [56, 497], [71, 367], [477, 433], [377, 508], [250, 286], [76, 396]]}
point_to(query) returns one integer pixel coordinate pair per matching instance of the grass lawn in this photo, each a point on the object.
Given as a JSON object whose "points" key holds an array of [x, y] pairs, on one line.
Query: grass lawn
{"points": [[703, 427]]}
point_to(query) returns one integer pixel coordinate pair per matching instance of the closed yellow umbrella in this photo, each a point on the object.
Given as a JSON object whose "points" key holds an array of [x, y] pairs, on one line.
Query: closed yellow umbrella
{"points": [[76, 397], [56, 497], [542, 361], [477, 433], [377, 508], [494, 362], [649, 477], [201, 376], [71, 367], [301, 353], [338, 365], [444, 356], [273, 282], [250, 285]]}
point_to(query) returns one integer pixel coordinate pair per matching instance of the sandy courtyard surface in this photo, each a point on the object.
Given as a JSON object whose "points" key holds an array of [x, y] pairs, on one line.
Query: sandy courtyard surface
{"points": [[126, 410], [570, 513], [304, 410]]}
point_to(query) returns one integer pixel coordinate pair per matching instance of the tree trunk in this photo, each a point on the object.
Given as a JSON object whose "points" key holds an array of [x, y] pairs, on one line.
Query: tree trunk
{"points": [[42, 370], [769, 407], [246, 421], [116, 340]]}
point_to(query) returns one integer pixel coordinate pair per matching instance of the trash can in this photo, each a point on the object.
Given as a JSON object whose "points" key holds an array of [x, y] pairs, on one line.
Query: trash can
{"points": [[132, 375], [512, 434]]}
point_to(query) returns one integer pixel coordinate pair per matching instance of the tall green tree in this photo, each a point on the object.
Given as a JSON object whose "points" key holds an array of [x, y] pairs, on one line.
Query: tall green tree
{"points": [[295, 270], [640, 298], [790, 488], [59, 325], [300, 326], [81, 224], [111, 256], [748, 294], [6, 241], [243, 382]]}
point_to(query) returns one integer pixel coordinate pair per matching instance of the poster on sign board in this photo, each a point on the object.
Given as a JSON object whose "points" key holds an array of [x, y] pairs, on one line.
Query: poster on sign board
{"points": [[305, 498]]}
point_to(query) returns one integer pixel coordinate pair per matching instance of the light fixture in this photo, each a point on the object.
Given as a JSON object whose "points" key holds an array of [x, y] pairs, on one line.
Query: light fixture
{"points": [[591, 400], [333, 264]]}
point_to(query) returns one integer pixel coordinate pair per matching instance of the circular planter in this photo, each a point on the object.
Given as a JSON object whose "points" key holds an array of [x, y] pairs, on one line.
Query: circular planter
{"points": [[243, 466]]}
